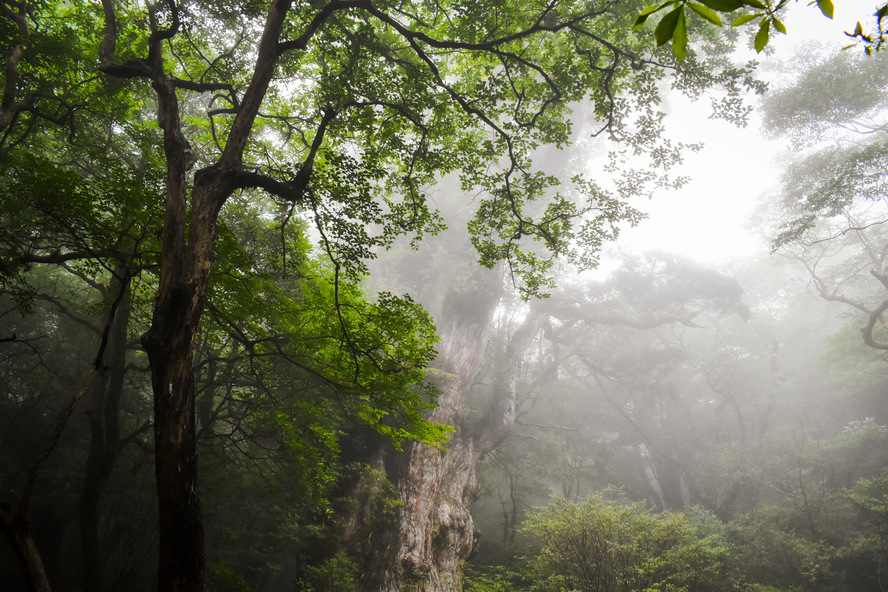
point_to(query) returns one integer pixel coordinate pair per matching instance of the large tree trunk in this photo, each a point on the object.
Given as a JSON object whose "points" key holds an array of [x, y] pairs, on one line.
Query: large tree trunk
{"points": [[421, 548], [436, 488], [169, 344]]}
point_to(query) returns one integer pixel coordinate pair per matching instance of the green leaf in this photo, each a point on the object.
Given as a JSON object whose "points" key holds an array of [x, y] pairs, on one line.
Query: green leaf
{"points": [[745, 18], [666, 27], [779, 26], [649, 10], [723, 5], [680, 38], [761, 38], [706, 13], [755, 4], [826, 7]]}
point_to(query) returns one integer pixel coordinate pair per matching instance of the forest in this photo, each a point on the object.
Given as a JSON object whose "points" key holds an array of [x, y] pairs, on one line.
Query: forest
{"points": [[329, 296]]}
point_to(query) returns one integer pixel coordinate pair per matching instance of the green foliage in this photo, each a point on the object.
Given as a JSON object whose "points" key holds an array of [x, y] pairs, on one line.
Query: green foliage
{"points": [[373, 354], [672, 27], [334, 575], [597, 545], [496, 579]]}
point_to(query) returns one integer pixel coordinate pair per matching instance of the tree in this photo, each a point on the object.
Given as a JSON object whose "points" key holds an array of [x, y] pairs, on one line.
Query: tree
{"points": [[350, 109], [831, 206]]}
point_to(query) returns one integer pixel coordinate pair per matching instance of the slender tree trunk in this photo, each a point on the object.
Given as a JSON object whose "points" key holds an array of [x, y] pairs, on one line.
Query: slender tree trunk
{"points": [[15, 523], [104, 423], [17, 531]]}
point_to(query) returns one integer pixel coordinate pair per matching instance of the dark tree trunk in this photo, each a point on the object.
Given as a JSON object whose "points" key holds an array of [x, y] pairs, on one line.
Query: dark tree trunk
{"points": [[169, 344], [17, 531], [104, 424]]}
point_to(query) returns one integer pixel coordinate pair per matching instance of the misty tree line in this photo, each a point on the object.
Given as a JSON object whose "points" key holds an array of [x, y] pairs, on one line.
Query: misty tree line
{"points": [[208, 250]]}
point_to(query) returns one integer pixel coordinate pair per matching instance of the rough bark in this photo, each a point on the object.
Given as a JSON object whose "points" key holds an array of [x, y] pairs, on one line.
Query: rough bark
{"points": [[436, 488], [185, 260], [422, 547]]}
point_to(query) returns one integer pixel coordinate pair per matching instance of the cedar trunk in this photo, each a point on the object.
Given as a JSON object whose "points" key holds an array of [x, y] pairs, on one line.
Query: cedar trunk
{"points": [[436, 488]]}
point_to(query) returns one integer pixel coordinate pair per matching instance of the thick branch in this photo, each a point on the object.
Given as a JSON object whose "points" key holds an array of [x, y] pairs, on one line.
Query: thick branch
{"points": [[320, 18], [266, 60], [8, 106], [873, 319], [129, 69]]}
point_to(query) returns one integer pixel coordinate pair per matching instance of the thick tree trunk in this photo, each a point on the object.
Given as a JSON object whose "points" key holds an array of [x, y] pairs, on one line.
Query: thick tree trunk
{"points": [[422, 547], [436, 488], [169, 344]]}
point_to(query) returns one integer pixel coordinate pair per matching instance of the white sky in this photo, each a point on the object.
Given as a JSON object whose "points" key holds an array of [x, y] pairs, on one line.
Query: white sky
{"points": [[707, 220]]}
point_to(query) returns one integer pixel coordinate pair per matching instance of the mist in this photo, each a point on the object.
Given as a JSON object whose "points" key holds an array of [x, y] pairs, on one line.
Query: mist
{"points": [[472, 319]]}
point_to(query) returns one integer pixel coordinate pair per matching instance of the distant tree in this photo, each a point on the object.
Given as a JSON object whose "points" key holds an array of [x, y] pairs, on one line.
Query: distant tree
{"points": [[831, 207]]}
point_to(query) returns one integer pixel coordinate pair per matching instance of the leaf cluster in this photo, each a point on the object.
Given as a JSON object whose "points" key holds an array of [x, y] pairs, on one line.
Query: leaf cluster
{"points": [[672, 27]]}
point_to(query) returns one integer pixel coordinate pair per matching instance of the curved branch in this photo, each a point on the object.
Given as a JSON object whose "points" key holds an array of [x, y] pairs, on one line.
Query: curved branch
{"points": [[874, 318], [133, 68]]}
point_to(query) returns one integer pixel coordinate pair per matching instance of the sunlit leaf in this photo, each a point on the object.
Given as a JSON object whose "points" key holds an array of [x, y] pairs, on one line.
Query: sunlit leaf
{"points": [[680, 37], [761, 38], [649, 10], [754, 4], [745, 18], [779, 26], [706, 13], [666, 27], [826, 7]]}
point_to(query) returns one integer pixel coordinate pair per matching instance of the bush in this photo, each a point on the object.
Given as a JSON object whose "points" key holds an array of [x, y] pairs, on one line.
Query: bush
{"points": [[598, 545]]}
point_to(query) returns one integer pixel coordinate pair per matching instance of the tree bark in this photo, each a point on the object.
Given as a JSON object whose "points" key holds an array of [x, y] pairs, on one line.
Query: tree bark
{"points": [[17, 531], [169, 344], [436, 488]]}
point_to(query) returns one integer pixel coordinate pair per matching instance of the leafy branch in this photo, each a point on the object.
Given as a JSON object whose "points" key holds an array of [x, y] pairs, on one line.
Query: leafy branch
{"points": [[673, 26]]}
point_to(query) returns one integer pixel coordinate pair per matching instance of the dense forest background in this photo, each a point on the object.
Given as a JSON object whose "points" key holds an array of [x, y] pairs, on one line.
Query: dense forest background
{"points": [[349, 260]]}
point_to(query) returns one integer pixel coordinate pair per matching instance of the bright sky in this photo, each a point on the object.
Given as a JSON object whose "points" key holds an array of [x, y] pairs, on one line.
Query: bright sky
{"points": [[707, 220]]}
